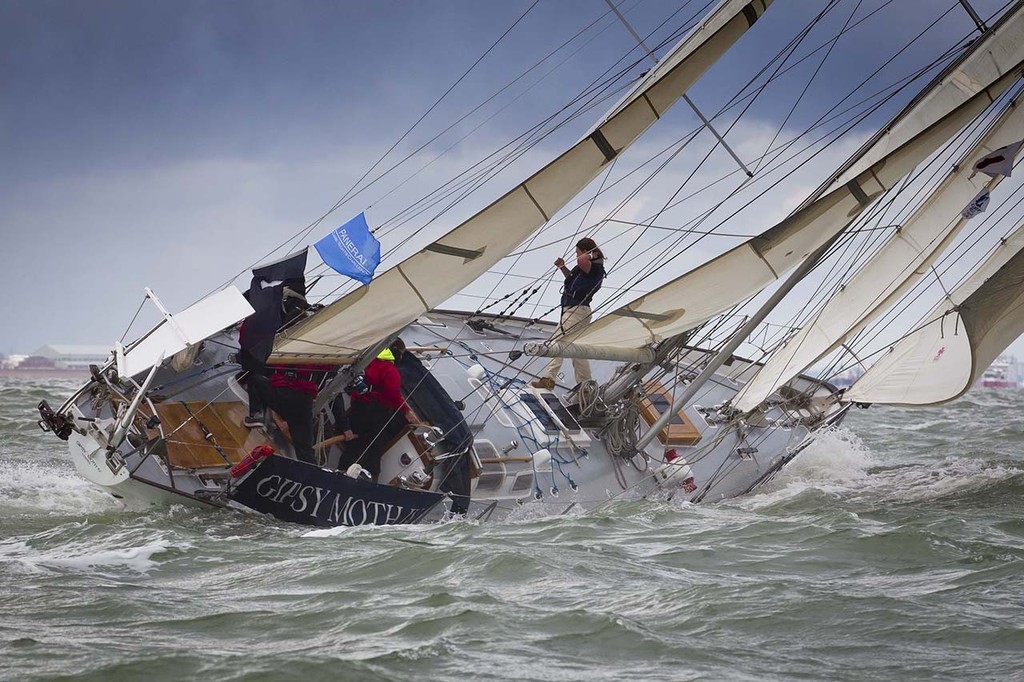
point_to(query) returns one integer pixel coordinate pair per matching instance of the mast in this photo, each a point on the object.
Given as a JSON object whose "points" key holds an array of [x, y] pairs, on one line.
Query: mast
{"points": [[735, 340], [974, 16], [686, 98]]}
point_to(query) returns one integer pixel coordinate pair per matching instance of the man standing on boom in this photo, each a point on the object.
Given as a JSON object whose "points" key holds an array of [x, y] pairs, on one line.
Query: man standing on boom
{"points": [[581, 283]]}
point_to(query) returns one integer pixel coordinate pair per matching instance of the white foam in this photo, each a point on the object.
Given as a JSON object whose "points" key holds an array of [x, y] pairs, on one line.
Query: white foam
{"points": [[839, 463], [945, 477], [836, 462], [551, 507], [50, 488], [13, 549], [326, 532], [135, 559], [404, 529], [837, 456]]}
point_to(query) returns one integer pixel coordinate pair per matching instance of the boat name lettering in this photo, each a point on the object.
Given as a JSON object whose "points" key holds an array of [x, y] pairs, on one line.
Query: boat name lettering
{"points": [[356, 511], [349, 511]]}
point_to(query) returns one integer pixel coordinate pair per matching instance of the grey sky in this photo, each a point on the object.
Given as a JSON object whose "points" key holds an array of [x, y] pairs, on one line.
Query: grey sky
{"points": [[171, 144]]}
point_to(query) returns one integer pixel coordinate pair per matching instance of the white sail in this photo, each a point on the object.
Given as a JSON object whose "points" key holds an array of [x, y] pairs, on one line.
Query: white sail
{"points": [[889, 273], [941, 359], [423, 281], [952, 100]]}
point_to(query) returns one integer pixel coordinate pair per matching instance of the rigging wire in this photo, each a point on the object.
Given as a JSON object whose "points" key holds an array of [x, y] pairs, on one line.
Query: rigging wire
{"points": [[576, 114], [899, 86], [485, 102], [938, 166], [523, 147], [298, 236], [418, 121], [945, 265], [657, 266], [954, 153]]}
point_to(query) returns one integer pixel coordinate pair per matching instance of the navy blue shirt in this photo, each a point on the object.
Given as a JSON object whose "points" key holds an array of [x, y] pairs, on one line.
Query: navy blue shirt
{"points": [[580, 286]]}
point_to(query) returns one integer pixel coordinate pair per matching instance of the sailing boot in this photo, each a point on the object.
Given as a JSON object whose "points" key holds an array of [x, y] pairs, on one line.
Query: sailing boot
{"points": [[255, 421]]}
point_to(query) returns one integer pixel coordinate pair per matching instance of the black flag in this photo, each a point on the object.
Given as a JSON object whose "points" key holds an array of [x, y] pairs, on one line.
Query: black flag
{"points": [[265, 292], [999, 162]]}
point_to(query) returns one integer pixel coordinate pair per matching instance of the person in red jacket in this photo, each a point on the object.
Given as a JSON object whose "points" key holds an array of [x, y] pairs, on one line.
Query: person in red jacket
{"points": [[380, 413], [290, 391]]}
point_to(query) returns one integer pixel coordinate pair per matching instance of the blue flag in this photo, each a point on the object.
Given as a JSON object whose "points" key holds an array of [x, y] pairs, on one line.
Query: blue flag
{"points": [[351, 250]]}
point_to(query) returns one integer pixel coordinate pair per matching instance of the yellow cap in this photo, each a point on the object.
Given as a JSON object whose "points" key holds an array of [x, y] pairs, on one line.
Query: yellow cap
{"points": [[386, 354]]}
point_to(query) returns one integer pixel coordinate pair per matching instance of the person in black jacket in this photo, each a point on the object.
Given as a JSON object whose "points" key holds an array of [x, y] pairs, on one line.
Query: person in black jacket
{"points": [[581, 283]]}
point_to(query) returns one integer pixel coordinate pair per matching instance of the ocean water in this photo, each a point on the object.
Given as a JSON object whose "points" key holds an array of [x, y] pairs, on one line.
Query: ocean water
{"points": [[892, 549]]}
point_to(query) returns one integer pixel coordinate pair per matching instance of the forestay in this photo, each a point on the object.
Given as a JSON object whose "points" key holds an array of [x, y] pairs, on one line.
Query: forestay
{"points": [[960, 338], [423, 281], [889, 273], [959, 94]]}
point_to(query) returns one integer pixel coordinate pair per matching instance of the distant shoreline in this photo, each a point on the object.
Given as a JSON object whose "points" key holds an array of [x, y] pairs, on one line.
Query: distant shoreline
{"points": [[44, 373]]}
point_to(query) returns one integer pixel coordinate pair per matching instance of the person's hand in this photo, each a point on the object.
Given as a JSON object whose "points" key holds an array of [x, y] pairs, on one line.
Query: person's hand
{"points": [[559, 263], [349, 435], [410, 417]]}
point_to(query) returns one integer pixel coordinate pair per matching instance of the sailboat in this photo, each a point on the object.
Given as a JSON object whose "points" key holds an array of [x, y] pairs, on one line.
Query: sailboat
{"points": [[1001, 374], [672, 411]]}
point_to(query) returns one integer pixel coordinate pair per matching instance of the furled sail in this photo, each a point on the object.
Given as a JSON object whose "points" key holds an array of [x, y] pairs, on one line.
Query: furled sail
{"points": [[953, 99], [890, 272], [421, 282], [960, 338]]}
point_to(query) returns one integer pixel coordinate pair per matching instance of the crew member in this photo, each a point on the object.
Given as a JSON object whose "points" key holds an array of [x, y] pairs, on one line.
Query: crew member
{"points": [[378, 413], [581, 283], [288, 390]]}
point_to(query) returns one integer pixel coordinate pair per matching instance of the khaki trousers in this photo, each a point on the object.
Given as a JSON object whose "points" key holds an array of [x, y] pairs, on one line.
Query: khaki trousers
{"points": [[574, 318]]}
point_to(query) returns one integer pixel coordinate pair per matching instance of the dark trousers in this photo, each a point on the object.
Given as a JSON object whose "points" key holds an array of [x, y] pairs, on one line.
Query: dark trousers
{"points": [[375, 427], [295, 407], [252, 365]]}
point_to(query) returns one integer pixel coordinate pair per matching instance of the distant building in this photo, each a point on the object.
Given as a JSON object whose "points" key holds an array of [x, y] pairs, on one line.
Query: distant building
{"points": [[12, 361], [847, 378], [74, 357], [36, 362]]}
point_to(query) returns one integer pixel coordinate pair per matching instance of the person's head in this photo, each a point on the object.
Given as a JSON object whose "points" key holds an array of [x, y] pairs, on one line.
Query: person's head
{"points": [[588, 245], [397, 348], [393, 352]]}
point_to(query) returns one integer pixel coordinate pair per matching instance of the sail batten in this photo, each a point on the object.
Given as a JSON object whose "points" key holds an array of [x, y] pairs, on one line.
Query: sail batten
{"points": [[994, 64], [892, 271], [426, 279]]}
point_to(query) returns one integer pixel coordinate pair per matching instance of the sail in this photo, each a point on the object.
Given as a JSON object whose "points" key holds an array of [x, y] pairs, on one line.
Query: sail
{"points": [[953, 99], [943, 357], [421, 282], [890, 272]]}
